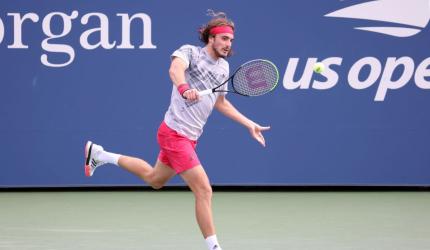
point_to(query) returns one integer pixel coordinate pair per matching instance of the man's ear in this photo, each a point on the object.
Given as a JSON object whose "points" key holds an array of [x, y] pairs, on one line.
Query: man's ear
{"points": [[211, 39]]}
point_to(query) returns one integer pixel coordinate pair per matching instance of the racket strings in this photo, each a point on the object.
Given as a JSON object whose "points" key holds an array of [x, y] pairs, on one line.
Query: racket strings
{"points": [[255, 78]]}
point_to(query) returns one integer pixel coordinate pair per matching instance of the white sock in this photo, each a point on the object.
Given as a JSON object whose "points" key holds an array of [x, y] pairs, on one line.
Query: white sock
{"points": [[108, 157], [212, 243]]}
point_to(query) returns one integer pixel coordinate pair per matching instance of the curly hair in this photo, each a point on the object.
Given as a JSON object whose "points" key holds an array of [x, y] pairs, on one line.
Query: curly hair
{"points": [[218, 19]]}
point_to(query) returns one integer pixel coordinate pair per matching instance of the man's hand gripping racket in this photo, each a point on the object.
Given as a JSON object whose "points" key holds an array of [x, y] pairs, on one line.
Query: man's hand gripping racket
{"points": [[253, 78]]}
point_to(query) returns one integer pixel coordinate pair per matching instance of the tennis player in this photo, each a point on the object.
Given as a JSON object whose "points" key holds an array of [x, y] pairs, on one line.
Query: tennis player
{"points": [[192, 69]]}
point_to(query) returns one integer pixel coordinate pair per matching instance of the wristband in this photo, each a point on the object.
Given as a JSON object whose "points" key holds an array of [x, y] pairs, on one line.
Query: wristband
{"points": [[183, 87]]}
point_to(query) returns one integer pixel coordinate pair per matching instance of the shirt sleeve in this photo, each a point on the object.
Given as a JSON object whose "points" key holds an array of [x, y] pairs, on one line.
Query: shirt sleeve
{"points": [[185, 52]]}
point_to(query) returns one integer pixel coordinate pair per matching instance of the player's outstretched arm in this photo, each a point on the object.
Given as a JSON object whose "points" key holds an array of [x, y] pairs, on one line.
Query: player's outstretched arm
{"points": [[227, 109]]}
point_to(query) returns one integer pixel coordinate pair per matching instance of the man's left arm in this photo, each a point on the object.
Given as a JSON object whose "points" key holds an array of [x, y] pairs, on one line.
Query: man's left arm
{"points": [[226, 108]]}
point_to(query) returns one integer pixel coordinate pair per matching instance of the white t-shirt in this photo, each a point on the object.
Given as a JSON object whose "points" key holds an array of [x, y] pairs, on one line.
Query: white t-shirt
{"points": [[203, 72]]}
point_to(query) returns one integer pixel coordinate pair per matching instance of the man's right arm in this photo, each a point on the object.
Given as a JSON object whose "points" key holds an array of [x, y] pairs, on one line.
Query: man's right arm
{"points": [[177, 75]]}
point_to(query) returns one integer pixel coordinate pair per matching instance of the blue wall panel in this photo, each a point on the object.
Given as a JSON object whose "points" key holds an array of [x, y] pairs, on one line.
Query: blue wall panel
{"points": [[344, 130]]}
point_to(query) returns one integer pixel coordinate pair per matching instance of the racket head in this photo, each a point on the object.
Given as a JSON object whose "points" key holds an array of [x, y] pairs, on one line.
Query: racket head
{"points": [[256, 77]]}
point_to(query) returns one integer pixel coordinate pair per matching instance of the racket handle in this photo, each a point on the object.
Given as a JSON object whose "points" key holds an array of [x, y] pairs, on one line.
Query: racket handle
{"points": [[205, 92]]}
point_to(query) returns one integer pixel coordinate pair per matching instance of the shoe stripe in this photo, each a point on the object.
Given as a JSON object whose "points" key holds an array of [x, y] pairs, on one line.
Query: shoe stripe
{"points": [[89, 154], [93, 162]]}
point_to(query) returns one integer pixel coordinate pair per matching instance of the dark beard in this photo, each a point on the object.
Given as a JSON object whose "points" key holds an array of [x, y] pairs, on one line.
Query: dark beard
{"points": [[218, 54]]}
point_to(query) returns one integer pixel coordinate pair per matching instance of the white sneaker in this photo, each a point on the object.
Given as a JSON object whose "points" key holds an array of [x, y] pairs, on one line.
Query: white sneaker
{"points": [[92, 151]]}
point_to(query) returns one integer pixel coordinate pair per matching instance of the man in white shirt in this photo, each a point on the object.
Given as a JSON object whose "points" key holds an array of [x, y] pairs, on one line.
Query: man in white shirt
{"points": [[192, 69]]}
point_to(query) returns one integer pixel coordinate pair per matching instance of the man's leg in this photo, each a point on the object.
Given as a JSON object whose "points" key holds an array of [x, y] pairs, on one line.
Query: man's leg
{"points": [[155, 176], [198, 182]]}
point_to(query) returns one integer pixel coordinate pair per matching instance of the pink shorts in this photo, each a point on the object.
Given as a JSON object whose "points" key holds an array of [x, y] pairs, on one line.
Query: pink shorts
{"points": [[176, 151]]}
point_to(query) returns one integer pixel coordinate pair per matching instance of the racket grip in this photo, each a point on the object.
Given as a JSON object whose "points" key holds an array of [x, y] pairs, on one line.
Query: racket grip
{"points": [[205, 92]]}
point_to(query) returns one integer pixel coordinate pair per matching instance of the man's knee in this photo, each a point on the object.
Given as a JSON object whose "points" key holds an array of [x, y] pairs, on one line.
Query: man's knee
{"points": [[157, 184], [204, 192], [155, 181]]}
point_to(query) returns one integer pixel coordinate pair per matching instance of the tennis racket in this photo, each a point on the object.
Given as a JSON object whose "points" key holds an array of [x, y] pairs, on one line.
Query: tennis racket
{"points": [[253, 78]]}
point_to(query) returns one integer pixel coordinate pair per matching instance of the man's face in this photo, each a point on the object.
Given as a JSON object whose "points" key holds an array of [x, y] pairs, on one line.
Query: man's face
{"points": [[222, 44]]}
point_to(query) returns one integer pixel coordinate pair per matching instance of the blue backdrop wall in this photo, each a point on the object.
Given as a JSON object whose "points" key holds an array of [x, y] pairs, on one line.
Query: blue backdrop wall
{"points": [[69, 74]]}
